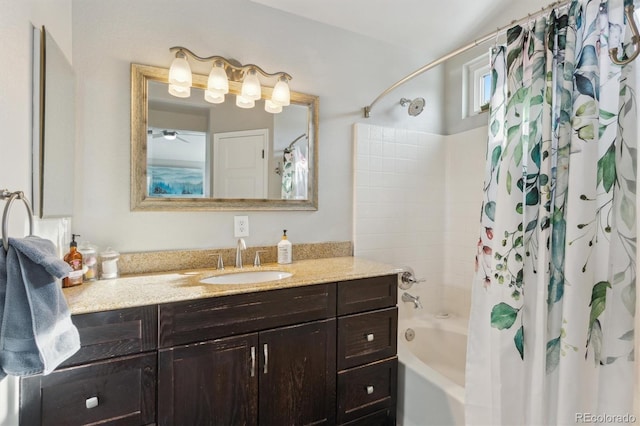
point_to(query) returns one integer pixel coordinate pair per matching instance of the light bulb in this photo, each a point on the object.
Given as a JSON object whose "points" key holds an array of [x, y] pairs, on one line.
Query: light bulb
{"points": [[272, 107], [218, 81], [251, 86], [213, 97], [244, 102], [180, 91], [180, 72], [281, 94]]}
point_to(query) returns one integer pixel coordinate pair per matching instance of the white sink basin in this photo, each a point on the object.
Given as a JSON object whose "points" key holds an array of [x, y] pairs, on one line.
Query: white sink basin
{"points": [[247, 277]]}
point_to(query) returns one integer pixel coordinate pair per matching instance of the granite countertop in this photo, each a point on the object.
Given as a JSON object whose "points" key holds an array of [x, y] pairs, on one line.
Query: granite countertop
{"points": [[151, 289]]}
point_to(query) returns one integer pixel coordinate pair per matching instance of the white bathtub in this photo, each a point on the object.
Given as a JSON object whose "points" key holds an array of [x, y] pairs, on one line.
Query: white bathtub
{"points": [[431, 371]]}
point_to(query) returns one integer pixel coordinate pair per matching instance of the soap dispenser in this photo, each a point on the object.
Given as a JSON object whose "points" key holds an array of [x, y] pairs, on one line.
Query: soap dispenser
{"points": [[284, 250], [74, 259]]}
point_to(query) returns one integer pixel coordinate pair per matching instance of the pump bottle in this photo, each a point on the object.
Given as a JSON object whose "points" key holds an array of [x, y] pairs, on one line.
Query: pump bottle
{"points": [[284, 250], [74, 259]]}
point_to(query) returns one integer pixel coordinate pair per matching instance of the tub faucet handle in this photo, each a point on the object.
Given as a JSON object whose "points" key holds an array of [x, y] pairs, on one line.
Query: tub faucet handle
{"points": [[407, 279]]}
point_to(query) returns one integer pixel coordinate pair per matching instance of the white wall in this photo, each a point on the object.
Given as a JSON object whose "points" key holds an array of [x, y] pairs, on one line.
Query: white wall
{"points": [[345, 70], [417, 201], [16, 21]]}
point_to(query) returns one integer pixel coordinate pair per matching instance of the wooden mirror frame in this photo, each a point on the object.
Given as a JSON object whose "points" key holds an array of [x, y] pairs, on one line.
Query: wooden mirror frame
{"points": [[140, 201]]}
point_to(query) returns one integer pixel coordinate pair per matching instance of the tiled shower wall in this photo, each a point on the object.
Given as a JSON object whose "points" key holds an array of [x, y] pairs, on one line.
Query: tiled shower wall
{"points": [[464, 179], [417, 197]]}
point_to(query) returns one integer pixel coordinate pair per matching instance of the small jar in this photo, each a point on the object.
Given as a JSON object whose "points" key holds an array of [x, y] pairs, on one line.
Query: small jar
{"points": [[89, 261], [109, 263]]}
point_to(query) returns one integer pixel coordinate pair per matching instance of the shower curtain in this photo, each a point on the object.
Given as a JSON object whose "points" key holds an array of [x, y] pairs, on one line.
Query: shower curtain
{"points": [[551, 331], [295, 173]]}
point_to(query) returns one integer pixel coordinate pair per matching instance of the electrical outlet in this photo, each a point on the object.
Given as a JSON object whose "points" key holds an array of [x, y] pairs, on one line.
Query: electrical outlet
{"points": [[241, 226]]}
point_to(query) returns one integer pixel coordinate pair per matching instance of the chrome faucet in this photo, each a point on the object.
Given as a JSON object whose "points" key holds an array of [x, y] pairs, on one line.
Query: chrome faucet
{"points": [[406, 297], [220, 262], [239, 249], [256, 261]]}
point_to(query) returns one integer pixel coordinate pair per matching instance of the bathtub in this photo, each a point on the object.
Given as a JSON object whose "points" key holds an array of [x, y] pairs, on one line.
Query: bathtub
{"points": [[431, 371]]}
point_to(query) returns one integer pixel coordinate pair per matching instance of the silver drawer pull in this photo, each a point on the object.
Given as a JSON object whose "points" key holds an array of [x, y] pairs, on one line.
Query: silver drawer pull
{"points": [[369, 390], [370, 337], [92, 402]]}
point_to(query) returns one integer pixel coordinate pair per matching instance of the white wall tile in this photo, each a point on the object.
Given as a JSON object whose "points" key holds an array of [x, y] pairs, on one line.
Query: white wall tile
{"points": [[420, 206]]}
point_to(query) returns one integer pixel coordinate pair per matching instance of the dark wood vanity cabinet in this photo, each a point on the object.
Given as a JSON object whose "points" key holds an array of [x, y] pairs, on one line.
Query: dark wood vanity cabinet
{"points": [[212, 382], [111, 379], [321, 354], [298, 374], [366, 351], [282, 372], [280, 376]]}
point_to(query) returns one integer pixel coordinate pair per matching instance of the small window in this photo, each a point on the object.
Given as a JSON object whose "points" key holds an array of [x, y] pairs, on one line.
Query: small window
{"points": [[476, 86], [482, 90]]}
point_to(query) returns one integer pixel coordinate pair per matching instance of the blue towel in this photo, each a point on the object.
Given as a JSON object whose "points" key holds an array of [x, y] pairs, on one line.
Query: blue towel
{"points": [[36, 333]]}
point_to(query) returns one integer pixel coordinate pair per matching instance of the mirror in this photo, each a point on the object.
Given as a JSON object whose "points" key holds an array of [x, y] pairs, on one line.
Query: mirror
{"points": [[188, 154], [53, 136]]}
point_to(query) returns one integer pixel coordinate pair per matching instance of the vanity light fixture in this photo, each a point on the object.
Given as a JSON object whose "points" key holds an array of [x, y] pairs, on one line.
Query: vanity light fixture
{"points": [[223, 70], [180, 76]]}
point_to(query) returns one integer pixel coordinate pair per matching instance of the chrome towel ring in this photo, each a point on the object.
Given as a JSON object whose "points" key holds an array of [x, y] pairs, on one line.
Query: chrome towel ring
{"points": [[12, 196]]}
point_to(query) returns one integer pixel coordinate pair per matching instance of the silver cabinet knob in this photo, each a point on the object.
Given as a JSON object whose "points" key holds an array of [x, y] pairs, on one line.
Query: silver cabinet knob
{"points": [[370, 337], [369, 390], [92, 402]]}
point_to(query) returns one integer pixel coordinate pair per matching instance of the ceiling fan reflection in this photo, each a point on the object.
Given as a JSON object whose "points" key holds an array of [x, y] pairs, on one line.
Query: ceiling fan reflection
{"points": [[169, 135]]}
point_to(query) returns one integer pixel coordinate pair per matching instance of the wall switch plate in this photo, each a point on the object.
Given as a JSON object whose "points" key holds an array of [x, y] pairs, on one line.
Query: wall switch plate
{"points": [[241, 226]]}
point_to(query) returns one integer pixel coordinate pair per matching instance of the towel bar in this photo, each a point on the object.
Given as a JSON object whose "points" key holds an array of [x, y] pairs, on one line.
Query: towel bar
{"points": [[4, 194]]}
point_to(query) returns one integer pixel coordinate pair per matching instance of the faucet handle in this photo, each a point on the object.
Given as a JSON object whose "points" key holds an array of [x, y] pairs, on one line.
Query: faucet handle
{"points": [[407, 279], [220, 262], [256, 261]]}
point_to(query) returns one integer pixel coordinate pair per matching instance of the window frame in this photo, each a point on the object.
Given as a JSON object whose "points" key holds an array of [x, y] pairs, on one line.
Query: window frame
{"points": [[473, 73]]}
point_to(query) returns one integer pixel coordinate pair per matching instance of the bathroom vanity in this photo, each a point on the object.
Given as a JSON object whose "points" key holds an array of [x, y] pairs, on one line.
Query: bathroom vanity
{"points": [[316, 348]]}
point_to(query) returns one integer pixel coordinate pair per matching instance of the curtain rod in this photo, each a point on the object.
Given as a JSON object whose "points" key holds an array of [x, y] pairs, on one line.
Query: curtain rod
{"points": [[463, 49]]}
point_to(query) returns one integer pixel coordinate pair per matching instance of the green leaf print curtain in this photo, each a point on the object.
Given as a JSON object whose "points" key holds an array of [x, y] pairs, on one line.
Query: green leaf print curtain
{"points": [[551, 332]]}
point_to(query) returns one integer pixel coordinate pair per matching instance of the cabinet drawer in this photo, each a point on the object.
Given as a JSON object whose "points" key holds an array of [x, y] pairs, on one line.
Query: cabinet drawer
{"points": [[367, 294], [120, 391], [216, 317], [367, 389], [367, 337], [114, 333], [385, 417]]}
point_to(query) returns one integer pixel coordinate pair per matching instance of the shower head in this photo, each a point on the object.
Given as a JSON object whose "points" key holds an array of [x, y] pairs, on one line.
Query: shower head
{"points": [[415, 106]]}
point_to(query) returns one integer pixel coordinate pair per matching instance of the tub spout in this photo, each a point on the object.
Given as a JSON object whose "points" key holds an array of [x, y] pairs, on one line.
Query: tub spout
{"points": [[406, 297]]}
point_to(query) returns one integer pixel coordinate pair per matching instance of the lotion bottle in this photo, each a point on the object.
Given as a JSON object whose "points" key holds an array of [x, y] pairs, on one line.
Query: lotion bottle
{"points": [[284, 250], [74, 259]]}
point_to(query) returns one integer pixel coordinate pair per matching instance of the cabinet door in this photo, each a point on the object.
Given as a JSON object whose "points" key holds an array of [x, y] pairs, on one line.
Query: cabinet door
{"points": [[210, 383], [298, 374]]}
